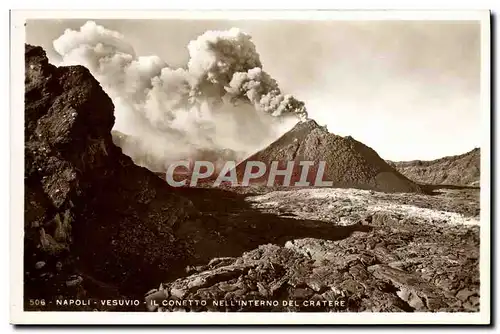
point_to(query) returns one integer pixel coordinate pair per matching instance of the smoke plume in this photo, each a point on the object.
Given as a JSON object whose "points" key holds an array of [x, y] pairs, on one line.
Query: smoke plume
{"points": [[222, 105]]}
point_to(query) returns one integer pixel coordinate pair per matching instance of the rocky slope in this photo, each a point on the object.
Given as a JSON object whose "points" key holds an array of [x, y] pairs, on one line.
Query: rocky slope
{"points": [[344, 250], [348, 162], [95, 223], [458, 170]]}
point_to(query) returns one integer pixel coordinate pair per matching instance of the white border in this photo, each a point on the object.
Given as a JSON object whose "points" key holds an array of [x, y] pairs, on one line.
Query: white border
{"points": [[339, 15], [18, 316]]}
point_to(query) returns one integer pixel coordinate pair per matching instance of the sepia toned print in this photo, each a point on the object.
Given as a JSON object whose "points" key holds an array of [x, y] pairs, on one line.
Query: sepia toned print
{"points": [[217, 165]]}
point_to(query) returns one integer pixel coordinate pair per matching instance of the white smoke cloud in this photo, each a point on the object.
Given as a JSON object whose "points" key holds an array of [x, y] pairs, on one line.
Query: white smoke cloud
{"points": [[263, 92], [221, 105]]}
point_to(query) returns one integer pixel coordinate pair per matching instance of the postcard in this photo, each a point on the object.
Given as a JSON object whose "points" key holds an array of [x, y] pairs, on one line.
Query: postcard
{"points": [[259, 167]]}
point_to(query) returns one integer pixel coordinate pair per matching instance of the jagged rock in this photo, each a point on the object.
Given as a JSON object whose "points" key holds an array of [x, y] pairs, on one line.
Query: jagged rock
{"points": [[413, 290], [87, 205], [39, 265], [464, 294], [75, 281]]}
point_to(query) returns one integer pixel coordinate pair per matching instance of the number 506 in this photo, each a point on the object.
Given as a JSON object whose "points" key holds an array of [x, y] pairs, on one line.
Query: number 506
{"points": [[37, 302]]}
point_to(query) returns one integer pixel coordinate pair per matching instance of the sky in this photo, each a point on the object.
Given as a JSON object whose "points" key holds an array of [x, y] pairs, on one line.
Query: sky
{"points": [[408, 89]]}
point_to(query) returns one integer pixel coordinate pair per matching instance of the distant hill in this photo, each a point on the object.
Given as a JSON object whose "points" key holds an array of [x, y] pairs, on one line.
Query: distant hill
{"points": [[459, 170]]}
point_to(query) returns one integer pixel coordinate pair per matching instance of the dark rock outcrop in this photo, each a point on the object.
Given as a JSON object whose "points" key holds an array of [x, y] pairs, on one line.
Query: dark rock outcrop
{"points": [[348, 163], [91, 215], [457, 170]]}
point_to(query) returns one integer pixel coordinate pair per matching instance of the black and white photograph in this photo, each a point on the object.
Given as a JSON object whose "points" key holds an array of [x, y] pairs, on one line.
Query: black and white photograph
{"points": [[180, 166]]}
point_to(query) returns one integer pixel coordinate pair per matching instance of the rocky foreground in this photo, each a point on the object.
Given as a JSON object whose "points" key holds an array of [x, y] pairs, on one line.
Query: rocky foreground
{"points": [[98, 227], [345, 250]]}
